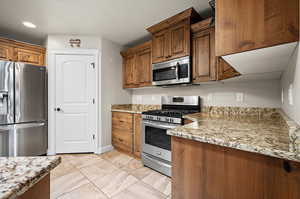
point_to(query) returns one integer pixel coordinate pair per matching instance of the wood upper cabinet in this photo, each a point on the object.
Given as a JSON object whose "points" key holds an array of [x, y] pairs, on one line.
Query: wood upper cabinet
{"points": [[225, 70], [129, 72], [137, 68], [6, 51], [144, 65], [171, 37], [206, 66], [160, 46], [179, 38], [201, 171], [29, 56], [21, 52], [247, 25], [204, 59]]}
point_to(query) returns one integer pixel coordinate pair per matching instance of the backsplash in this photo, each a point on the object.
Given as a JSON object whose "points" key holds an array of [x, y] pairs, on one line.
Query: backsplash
{"points": [[241, 94]]}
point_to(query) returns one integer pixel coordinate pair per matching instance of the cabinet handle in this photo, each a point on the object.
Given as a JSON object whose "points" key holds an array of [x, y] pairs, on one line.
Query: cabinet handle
{"points": [[287, 167]]}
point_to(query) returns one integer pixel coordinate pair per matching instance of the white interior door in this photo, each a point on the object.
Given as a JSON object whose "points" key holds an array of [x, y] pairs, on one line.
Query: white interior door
{"points": [[75, 103]]}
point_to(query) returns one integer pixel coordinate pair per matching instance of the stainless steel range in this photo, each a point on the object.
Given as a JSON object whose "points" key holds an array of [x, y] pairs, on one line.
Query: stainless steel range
{"points": [[156, 144]]}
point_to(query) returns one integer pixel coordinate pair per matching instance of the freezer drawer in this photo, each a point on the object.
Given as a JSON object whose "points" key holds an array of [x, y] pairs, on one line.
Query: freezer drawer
{"points": [[30, 93], [31, 139], [6, 140]]}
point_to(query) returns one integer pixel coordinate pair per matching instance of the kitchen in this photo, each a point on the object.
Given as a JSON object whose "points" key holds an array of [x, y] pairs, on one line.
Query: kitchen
{"points": [[196, 101]]}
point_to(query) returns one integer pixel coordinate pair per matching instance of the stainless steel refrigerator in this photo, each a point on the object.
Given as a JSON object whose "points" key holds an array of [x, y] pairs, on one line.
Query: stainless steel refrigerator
{"points": [[23, 123]]}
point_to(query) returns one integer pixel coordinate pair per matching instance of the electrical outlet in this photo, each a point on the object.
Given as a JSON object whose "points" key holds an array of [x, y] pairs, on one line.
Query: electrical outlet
{"points": [[290, 95], [239, 97]]}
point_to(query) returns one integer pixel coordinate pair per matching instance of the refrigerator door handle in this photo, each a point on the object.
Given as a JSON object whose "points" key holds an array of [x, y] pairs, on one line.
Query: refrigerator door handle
{"points": [[30, 125], [17, 93]]}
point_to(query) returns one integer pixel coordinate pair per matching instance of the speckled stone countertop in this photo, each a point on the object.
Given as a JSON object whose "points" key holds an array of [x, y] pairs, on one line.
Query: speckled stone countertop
{"points": [[260, 130], [133, 108], [18, 174]]}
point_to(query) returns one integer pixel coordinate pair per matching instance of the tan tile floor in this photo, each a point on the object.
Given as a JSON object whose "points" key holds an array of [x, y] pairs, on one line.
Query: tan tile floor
{"points": [[111, 175]]}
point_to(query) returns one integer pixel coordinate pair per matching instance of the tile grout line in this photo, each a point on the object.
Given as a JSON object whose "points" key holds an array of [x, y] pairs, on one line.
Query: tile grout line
{"points": [[93, 184]]}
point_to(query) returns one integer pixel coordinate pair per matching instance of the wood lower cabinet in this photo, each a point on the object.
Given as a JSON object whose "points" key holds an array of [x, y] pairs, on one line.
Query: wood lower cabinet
{"points": [[21, 52], [122, 131], [137, 135], [202, 171], [126, 132], [137, 68], [247, 25]]}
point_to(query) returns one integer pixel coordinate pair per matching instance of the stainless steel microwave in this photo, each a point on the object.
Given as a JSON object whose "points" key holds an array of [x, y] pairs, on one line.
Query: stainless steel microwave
{"points": [[177, 71]]}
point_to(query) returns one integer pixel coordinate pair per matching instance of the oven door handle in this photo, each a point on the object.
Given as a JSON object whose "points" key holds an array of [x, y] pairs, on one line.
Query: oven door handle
{"points": [[157, 162], [160, 125]]}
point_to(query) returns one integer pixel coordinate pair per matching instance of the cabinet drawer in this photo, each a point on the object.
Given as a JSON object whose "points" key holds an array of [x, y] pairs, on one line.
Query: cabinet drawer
{"points": [[122, 139], [6, 52], [30, 56], [122, 121]]}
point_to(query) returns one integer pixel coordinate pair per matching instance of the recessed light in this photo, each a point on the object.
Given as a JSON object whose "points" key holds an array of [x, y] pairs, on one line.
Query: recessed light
{"points": [[29, 24]]}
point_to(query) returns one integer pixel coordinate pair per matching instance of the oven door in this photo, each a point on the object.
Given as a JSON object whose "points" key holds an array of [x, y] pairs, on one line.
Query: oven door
{"points": [[155, 140]]}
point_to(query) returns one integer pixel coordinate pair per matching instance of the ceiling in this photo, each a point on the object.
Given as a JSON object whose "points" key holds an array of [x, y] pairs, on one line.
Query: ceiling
{"points": [[121, 21]]}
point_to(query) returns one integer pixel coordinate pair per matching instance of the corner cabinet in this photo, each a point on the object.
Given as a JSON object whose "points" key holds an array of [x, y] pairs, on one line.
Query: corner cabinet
{"points": [[202, 171], [126, 132], [171, 37], [21, 52], [205, 65], [137, 71], [247, 25]]}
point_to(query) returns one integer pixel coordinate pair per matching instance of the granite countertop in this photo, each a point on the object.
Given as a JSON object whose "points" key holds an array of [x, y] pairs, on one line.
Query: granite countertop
{"points": [[260, 130], [18, 174], [133, 108]]}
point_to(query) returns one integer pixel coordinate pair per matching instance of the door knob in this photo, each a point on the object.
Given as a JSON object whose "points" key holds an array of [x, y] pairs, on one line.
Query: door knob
{"points": [[57, 109]]}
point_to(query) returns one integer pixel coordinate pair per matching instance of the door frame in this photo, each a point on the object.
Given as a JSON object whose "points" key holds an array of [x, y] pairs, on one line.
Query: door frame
{"points": [[51, 55]]}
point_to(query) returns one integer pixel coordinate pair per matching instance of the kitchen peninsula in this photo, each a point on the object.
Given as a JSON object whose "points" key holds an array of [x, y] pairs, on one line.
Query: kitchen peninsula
{"points": [[254, 148]]}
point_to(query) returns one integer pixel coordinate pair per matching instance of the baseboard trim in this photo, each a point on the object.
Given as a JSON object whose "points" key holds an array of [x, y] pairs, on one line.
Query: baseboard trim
{"points": [[105, 149]]}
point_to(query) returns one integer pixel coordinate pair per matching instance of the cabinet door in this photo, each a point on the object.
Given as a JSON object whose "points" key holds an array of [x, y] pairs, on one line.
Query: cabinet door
{"points": [[30, 56], [247, 25], [130, 73], [137, 134], [6, 52], [144, 67], [179, 38], [122, 131], [204, 62], [160, 46]]}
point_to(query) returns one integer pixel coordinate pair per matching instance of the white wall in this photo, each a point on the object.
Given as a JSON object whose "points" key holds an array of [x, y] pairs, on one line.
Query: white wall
{"points": [[111, 90], [291, 76], [265, 93]]}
